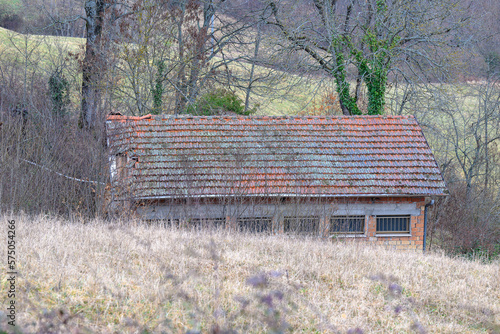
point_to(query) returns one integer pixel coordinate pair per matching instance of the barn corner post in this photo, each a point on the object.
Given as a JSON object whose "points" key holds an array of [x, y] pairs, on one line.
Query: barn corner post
{"points": [[429, 203], [120, 200]]}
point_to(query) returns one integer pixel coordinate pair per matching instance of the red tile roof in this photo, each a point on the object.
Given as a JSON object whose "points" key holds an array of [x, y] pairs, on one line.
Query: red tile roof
{"points": [[180, 156]]}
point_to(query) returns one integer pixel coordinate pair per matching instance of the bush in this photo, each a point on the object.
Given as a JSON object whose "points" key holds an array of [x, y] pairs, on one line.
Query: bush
{"points": [[59, 93], [216, 102], [467, 225], [326, 104], [10, 14], [493, 62]]}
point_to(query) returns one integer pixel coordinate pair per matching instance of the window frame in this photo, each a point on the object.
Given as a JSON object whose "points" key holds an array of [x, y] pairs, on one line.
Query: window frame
{"points": [[361, 232], [241, 221], [200, 224], [395, 233], [195, 224], [301, 224]]}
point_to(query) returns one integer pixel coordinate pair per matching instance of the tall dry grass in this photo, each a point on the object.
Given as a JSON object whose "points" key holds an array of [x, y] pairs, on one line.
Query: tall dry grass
{"points": [[128, 277]]}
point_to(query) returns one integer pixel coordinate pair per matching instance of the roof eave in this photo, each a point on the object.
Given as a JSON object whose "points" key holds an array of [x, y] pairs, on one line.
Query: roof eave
{"points": [[287, 195]]}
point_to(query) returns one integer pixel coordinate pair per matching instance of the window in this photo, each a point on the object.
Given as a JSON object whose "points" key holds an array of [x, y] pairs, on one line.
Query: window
{"points": [[167, 223], [302, 225], [254, 224], [393, 224], [207, 223], [193, 223], [347, 224]]}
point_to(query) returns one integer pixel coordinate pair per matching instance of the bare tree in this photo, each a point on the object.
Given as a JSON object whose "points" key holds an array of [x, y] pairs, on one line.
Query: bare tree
{"points": [[101, 20], [206, 51], [92, 62], [465, 131], [200, 45], [144, 59], [46, 163], [375, 37]]}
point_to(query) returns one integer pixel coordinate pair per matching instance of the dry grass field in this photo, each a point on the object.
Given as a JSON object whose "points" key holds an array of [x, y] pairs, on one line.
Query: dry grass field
{"points": [[124, 277]]}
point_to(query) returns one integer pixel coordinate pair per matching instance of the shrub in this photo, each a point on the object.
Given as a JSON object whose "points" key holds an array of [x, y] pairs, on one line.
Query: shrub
{"points": [[59, 93], [10, 14], [158, 89], [327, 104], [218, 102], [492, 60], [467, 225]]}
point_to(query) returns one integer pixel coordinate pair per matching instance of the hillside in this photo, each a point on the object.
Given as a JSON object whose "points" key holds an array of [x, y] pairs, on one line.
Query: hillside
{"points": [[122, 277], [45, 49], [286, 94], [43, 53]]}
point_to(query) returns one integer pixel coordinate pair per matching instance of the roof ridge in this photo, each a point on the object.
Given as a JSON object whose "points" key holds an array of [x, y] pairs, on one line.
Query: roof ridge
{"points": [[113, 117]]}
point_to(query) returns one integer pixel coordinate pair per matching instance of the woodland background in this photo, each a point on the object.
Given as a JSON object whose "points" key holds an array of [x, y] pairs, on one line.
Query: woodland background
{"points": [[65, 65]]}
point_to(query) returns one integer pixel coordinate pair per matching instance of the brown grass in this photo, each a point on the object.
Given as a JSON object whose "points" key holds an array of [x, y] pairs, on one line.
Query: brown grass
{"points": [[127, 277]]}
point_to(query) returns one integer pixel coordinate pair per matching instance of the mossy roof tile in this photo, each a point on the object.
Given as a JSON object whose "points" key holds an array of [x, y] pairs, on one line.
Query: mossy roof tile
{"points": [[278, 156]]}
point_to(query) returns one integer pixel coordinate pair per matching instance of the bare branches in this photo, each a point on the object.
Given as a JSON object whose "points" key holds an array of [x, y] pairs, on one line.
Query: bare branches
{"points": [[299, 41], [374, 37]]}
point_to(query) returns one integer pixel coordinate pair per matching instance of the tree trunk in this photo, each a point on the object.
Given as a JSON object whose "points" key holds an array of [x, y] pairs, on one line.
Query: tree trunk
{"points": [[252, 70], [92, 64], [180, 94], [200, 37]]}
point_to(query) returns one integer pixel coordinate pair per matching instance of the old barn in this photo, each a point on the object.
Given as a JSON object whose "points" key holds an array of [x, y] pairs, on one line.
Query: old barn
{"points": [[366, 177]]}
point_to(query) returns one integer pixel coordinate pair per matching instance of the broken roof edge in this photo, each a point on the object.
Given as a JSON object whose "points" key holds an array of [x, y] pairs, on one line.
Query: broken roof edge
{"points": [[120, 117]]}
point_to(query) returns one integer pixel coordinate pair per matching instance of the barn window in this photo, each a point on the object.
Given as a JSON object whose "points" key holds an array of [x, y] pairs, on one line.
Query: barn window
{"points": [[347, 224], [302, 225], [207, 223], [393, 224], [112, 167], [167, 223], [254, 224], [192, 223]]}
